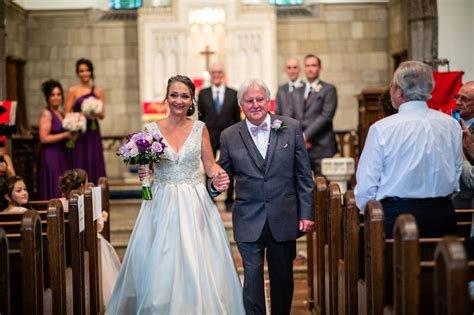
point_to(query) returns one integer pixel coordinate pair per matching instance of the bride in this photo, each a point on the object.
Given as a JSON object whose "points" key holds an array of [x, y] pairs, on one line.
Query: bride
{"points": [[178, 259]]}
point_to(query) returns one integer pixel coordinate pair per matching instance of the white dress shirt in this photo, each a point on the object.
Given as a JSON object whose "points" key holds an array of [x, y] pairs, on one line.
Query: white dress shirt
{"points": [[221, 89], [294, 85], [416, 153], [308, 86], [262, 137]]}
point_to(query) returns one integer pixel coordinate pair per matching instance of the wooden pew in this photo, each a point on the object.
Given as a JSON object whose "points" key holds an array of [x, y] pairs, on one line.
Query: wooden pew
{"points": [[451, 275], [77, 259], [335, 250], [320, 195], [427, 284], [28, 292], [57, 276], [4, 274], [91, 246], [348, 264]]}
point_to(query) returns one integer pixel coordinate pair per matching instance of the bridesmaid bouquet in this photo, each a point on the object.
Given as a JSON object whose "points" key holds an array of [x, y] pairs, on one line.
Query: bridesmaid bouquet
{"points": [[142, 148], [75, 123], [92, 106]]}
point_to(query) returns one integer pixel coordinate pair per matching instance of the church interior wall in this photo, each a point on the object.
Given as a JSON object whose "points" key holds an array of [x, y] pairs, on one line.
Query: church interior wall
{"points": [[15, 29], [397, 28], [351, 40]]}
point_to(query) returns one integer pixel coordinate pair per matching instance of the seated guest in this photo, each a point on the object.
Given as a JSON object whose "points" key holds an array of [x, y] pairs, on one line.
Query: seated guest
{"points": [[412, 160], [6, 164], [14, 194], [76, 179], [53, 158]]}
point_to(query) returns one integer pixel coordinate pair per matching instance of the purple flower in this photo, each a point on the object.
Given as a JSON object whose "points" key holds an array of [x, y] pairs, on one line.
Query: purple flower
{"points": [[157, 147], [143, 144], [276, 124], [124, 152], [134, 152]]}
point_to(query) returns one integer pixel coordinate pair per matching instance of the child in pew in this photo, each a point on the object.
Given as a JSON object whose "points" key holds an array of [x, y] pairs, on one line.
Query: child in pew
{"points": [[76, 179], [14, 195]]}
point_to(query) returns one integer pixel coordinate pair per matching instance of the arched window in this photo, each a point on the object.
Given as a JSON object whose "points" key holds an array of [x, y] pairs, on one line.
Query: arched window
{"points": [[125, 4]]}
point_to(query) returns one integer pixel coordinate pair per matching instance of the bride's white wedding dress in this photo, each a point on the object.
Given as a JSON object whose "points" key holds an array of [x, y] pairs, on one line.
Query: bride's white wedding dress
{"points": [[178, 259]]}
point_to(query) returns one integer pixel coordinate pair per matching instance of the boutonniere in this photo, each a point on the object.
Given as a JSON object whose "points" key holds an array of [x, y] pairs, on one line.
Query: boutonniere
{"points": [[317, 87], [278, 126]]}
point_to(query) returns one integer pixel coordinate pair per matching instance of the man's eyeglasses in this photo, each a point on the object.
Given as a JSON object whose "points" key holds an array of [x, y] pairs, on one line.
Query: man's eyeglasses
{"points": [[461, 99]]}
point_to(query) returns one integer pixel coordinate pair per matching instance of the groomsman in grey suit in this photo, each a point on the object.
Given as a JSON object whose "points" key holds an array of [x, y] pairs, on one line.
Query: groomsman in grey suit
{"points": [[315, 106], [218, 109], [267, 157], [284, 101]]}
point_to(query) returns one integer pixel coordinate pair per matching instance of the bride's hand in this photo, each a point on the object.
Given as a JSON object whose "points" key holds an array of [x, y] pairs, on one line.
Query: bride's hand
{"points": [[143, 171], [221, 181]]}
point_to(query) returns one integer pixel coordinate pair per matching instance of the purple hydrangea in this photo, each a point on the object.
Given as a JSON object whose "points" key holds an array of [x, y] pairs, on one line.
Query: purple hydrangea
{"points": [[143, 144]]}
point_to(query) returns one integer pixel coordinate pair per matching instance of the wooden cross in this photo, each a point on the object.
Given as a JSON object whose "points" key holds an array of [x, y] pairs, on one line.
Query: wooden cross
{"points": [[207, 54]]}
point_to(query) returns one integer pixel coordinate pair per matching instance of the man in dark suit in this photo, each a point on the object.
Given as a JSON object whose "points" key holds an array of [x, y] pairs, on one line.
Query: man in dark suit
{"points": [[218, 109], [267, 155], [284, 101], [315, 106]]}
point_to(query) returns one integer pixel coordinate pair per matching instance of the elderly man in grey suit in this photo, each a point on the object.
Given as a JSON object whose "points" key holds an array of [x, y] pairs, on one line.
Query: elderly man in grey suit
{"points": [[284, 101], [315, 106], [267, 157]]}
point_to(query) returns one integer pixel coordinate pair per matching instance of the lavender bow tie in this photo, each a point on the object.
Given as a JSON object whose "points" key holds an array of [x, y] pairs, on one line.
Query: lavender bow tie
{"points": [[254, 130]]}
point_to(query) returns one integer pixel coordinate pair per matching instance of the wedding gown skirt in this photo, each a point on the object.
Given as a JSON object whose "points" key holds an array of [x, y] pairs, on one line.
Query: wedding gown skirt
{"points": [[178, 259]]}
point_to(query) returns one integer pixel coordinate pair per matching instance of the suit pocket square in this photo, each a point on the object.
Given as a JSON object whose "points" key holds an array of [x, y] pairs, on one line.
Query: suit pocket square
{"points": [[285, 146]]}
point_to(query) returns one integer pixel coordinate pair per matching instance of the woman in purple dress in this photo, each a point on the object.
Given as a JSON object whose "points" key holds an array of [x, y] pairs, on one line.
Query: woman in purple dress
{"points": [[53, 158], [87, 153]]}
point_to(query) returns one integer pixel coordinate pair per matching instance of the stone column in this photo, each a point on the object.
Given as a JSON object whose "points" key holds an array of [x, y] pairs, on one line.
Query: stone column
{"points": [[2, 51], [423, 29]]}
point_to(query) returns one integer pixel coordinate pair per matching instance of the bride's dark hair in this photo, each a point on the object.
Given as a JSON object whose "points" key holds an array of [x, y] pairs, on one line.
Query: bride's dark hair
{"points": [[192, 89]]}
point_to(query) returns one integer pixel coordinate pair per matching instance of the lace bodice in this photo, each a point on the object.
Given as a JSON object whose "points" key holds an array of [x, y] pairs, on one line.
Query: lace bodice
{"points": [[183, 166]]}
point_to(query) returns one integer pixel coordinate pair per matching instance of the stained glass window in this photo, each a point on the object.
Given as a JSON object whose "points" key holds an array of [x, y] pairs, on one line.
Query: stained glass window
{"points": [[125, 4], [286, 2]]}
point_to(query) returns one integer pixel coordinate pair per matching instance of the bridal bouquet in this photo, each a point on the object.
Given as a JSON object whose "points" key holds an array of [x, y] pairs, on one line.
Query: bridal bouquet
{"points": [[75, 123], [92, 106], [143, 148]]}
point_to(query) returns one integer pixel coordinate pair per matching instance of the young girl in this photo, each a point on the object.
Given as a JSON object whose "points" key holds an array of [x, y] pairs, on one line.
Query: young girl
{"points": [[76, 179], [14, 194]]}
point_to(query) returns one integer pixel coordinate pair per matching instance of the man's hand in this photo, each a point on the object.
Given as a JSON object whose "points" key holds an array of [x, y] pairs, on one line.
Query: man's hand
{"points": [[221, 181], [306, 225], [467, 140]]}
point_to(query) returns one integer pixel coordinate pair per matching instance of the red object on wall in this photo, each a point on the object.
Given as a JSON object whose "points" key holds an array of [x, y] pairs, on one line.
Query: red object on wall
{"points": [[447, 84]]}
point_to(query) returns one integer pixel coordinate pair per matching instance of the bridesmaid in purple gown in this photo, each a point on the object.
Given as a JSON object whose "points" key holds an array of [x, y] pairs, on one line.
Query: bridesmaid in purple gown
{"points": [[87, 153], [53, 158]]}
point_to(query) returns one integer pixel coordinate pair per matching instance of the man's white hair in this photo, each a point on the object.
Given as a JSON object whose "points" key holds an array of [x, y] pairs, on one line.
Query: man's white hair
{"points": [[247, 84], [415, 79]]}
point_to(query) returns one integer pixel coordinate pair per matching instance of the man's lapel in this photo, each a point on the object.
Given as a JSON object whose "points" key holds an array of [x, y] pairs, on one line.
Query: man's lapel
{"points": [[271, 144], [249, 144], [210, 101]]}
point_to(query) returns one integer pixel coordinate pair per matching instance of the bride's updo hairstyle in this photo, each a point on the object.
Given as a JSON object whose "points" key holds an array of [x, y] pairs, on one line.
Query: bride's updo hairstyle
{"points": [[48, 86], [192, 90], [71, 180]]}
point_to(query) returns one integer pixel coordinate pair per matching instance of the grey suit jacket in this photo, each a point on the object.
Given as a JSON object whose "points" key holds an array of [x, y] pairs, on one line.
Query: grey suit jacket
{"points": [[277, 189], [316, 115], [284, 100]]}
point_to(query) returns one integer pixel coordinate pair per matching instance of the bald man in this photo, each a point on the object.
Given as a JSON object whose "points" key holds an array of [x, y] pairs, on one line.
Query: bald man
{"points": [[218, 109], [283, 98]]}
